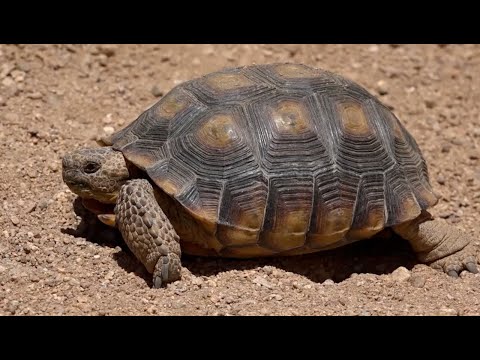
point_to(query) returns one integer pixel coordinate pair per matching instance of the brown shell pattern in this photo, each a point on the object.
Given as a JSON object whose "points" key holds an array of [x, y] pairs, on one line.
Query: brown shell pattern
{"points": [[279, 158]]}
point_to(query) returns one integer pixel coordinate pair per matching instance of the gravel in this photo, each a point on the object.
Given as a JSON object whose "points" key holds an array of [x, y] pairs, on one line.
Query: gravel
{"points": [[55, 259]]}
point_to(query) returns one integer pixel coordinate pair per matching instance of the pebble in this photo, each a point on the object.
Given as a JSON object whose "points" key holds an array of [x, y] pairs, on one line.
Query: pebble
{"points": [[11, 118], [6, 69], [441, 179], [8, 81], [15, 221], [53, 166], [110, 275], [156, 91], [328, 282], [108, 130], [400, 274], [43, 204], [447, 312], [430, 104], [446, 148], [2, 269], [23, 66], [107, 50], [473, 156], [108, 118], [445, 214], [373, 48], [382, 87], [3, 102], [198, 281], [35, 95], [263, 282], [417, 280], [17, 75]]}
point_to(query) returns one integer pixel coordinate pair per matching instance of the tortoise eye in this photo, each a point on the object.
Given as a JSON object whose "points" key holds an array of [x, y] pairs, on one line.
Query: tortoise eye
{"points": [[91, 167]]}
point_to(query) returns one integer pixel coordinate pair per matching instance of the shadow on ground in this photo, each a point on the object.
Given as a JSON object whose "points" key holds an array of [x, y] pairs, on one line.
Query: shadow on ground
{"points": [[376, 256]]}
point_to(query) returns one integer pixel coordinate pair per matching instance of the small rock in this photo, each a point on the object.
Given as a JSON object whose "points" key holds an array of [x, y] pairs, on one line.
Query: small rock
{"points": [[165, 58], [5, 69], [198, 281], [15, 221], [23, 66], [31, 173], [400, 274], [17, 75], [445, 214], [373, 48], [382, 87], [417, 280], [456, 141], [2, 269], [8, 81], [35, 95], [53, 166], [473, 156], [3, 102], [11, 118], [441, 179], [328, 282], [178, 304], [108, 118], [108, 130], [108, 49], [276, 297], [447, 312], [110, 275], [156, 91], [43, 204], [445, 148], [263, 282]]}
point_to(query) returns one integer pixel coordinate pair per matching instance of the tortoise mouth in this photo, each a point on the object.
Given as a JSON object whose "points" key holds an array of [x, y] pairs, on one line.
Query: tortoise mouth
{"points": [[98, 207], [85, 192]]}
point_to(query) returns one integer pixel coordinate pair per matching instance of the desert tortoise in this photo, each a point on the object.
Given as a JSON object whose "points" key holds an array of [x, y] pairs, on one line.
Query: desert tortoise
{"points": [[278, 159]]}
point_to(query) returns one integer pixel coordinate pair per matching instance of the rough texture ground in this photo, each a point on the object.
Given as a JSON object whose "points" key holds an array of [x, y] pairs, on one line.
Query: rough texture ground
{"points": [[56, 259]]}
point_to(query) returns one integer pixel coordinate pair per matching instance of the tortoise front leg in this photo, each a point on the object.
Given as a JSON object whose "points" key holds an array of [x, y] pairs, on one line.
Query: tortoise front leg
{"points": [[148, 232], [439, 244]]}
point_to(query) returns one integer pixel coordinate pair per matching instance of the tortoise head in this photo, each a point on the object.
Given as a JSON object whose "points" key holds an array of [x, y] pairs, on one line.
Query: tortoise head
{"points": [[95, 173]]}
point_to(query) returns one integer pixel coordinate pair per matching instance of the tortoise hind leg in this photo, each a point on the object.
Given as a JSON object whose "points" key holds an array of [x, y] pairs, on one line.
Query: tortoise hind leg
{"points": [[148, 232], [439, 244]]}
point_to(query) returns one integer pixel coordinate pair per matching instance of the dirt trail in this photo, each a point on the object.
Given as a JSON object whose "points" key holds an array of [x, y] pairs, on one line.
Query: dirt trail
{"points": [[56, 98]]}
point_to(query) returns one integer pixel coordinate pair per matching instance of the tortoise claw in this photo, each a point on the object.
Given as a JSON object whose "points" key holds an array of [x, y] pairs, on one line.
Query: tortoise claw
{"points": [[472, 267], [157, 282], [453, 273]]}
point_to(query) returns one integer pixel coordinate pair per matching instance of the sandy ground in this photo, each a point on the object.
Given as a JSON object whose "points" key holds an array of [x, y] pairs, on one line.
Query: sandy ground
{"points": [[56, 259]]}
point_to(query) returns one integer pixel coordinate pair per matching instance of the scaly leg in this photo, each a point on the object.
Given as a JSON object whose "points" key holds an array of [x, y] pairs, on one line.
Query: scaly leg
{"points": [[439, 244], [148, 232]]}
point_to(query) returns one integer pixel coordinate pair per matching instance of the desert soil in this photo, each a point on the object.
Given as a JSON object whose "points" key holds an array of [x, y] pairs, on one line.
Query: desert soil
{"points": [[56, 259]]}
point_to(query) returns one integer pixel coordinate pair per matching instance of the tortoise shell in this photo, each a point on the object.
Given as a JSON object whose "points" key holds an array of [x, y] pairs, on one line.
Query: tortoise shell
{"points": [[277, 159]]}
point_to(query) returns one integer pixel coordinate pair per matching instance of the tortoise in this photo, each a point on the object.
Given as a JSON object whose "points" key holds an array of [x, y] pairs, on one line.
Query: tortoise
{"points": [[262, 160]]}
